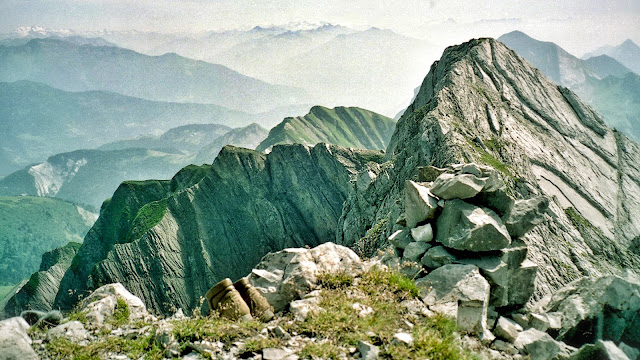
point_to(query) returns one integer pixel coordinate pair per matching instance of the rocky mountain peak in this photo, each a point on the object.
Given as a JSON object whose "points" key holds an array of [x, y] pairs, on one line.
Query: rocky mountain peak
{"points": [[481, 102]]}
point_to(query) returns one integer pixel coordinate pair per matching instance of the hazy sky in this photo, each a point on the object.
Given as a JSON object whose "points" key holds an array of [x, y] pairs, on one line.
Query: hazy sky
{"points": [[577, 25]]}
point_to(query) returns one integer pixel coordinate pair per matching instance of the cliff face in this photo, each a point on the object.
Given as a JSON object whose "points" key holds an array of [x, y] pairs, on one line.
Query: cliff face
{"points": [[169, 242], [482, 102]]}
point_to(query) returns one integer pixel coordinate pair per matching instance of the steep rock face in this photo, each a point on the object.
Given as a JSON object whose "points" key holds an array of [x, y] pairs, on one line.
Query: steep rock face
{"points": [[344, 126], [169, 242], [482, 102], [41, 289]]}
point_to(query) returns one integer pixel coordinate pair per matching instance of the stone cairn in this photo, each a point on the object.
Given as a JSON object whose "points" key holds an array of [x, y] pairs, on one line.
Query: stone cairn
{"points": [[462, 229]]}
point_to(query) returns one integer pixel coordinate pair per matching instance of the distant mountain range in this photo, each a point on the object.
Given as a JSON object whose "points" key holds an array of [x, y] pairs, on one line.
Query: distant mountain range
{"points": [[344, 126], [37, 121], [333, 63], [627, 53], [170, 77], [247, 137], [604, 82], [183, 139]]}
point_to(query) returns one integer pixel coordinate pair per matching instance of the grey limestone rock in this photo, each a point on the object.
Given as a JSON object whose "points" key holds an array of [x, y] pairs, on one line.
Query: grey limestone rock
{"points": [[415, 250], [526, 127], [507, 329], [605, 350], [15, 343], [464, 226], [436, 257], [422, 233], [419, 203], [462, 285], [368, 351], [102, 303], [593, 309], [73, 331], [449, 186], [289, 274], [400, 239], [524, 215], [540, 345], [631, 352]]}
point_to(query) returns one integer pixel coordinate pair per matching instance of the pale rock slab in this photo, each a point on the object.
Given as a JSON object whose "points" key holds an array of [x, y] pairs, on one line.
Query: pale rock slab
{"points": [[462, 285], [289, 274], [419, 203], [15, 343], [422, 233], [449, 186], [463, 226], [102, 302]]}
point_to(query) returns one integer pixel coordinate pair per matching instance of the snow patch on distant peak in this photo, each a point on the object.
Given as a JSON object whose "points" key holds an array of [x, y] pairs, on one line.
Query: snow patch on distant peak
{"points": [[49, 177], [26, 31]]}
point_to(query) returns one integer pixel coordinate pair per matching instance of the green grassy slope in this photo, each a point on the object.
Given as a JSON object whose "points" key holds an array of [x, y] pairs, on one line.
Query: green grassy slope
{"points": [[345, 126], [31, 226]]}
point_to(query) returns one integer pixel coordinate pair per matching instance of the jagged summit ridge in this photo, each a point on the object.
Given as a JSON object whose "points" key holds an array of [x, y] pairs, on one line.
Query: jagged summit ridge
{"points": [[482, 102]]}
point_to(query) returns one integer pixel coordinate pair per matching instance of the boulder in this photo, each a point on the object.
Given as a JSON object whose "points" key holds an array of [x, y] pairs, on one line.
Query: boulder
{"points": [[540, 345], [422, 233], [368, 351], [74, 331], [419, 204], [497, 200], [301, 309], [605, 308], [463, 226], [400, 239], [102, 303], [521, 283], [497, 273], [449, 186], [605, 350], [436, 257], [289, 274], [462, 285], [524, 215], [507, 329], [15, 343], [414, 251]]}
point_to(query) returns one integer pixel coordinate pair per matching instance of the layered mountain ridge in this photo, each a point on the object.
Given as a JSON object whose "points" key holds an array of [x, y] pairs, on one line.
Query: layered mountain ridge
{"points": [[480, 103], [603, 82]]}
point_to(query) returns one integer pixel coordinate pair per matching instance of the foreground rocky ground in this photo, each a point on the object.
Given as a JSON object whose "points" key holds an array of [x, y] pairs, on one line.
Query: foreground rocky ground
{"points": [[455, 283]]}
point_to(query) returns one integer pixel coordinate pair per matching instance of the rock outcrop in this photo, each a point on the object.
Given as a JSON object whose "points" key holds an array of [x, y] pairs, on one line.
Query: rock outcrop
{"points": [[483, 103], [168, 242]]}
